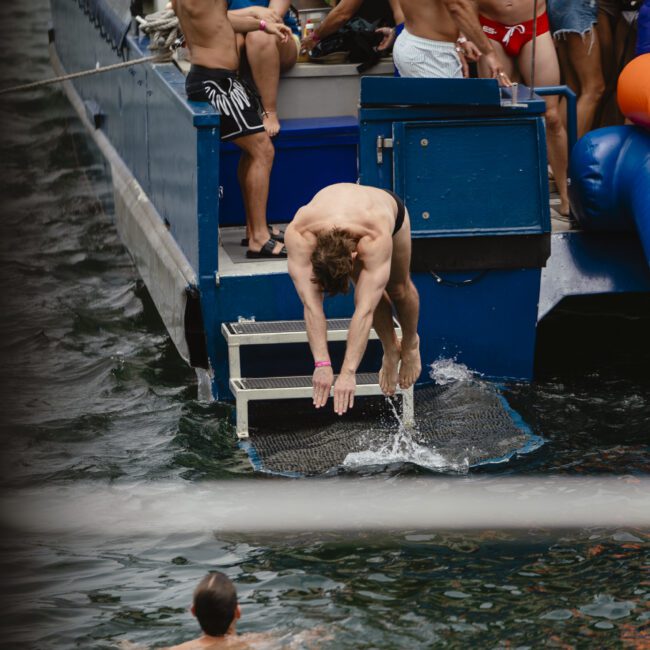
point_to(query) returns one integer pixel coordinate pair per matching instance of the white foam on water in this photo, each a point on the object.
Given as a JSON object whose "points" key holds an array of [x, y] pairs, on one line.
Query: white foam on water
{"points": [[401, 448], [447, 371]]}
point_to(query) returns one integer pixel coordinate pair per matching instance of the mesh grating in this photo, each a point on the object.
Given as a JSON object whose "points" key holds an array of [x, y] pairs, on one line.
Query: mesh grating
{"points": [[257, 383], [468, 424], [276, 327]]}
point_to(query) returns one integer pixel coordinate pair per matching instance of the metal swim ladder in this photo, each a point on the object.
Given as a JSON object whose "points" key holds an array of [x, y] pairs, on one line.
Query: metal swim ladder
{"points": [[248, 389]]}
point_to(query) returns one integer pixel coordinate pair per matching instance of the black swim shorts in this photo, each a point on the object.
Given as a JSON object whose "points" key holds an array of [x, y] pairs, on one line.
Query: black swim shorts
{"points": [[401, 211], [238, 107]]}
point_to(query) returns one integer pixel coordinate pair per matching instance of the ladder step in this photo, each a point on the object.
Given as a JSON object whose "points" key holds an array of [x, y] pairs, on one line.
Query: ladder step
{"points": [[285, 331], [249, 389]]}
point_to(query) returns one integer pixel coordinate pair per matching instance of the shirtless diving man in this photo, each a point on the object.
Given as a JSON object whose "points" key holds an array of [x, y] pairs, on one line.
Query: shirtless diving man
{"points": [[347, 233], [210, 38], [509, 25], [430, 44]]}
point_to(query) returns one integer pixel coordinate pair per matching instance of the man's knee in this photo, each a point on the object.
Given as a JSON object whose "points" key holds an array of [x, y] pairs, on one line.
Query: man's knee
{"points": [[262, 149], [399, 290]]}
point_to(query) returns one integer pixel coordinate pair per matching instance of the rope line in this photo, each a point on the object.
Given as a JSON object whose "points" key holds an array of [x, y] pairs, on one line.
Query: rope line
{"points": [[155, 58], [162, 28]]}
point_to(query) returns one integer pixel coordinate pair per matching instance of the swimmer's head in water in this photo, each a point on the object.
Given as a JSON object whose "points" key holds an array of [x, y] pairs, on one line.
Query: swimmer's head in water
{"points": [[215, 603], [332, 261]]}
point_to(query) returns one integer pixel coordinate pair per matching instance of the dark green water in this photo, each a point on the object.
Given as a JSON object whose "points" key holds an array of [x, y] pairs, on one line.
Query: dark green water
{"points": [[92, 391]]}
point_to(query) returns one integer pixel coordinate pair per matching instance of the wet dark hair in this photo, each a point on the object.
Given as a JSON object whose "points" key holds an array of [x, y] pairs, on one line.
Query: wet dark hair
{"points": [[215, 602], [332, 261]]}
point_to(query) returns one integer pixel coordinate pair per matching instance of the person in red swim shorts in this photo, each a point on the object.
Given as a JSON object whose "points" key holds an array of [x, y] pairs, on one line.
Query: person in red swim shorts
{"points": [[513, 37], [509, 24]]}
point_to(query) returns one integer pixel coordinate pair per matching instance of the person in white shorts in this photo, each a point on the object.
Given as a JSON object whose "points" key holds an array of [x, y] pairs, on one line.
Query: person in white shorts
{"points": [[431, 44]]}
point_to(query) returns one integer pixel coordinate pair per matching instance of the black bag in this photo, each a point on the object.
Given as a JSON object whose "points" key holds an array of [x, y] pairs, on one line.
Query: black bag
{"points": [[356, 42]]}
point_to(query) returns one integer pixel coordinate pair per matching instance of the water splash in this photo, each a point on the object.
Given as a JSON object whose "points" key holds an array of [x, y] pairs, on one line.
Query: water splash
{"points": [[447, 371], [401, 448]]}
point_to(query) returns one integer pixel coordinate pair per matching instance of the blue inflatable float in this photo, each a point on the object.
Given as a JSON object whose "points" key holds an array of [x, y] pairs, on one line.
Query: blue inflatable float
{"points": [[610, 167]]}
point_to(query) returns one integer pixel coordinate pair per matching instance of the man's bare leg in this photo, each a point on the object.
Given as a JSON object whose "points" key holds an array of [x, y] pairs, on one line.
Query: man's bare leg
{"points": [[254, 175], [584, 56], [267, 57], [547, 73], [382, 321], [404, 297]]}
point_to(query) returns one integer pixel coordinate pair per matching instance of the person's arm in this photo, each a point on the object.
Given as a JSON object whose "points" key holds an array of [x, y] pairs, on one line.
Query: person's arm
{"points": [[261, 13], [280, 7], [465, 16], [398, 14], [368, 291], [301, 272], [335, 19], [242, 24]]}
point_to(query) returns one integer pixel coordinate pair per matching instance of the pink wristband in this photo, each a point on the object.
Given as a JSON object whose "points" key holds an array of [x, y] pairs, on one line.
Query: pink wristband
{"points": [[315, 37], [263, 25], [322, 364]]}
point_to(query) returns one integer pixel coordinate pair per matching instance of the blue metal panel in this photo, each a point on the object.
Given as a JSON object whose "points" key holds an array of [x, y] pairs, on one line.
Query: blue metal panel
{"points": [[473, 176], [442, 92], [488, 325], [309, 155], [371, 171], [178, 153]]}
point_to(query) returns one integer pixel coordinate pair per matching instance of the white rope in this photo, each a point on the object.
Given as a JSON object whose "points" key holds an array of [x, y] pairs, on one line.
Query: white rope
{"points": [[162, 28], [155, 58]]}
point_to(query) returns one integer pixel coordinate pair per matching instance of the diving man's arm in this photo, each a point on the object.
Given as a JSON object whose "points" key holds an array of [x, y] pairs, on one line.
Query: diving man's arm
{"points": [[369, 289], [301, 271]]}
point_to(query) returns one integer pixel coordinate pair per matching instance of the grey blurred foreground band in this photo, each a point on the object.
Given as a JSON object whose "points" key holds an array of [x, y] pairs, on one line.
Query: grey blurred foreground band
{"points": [[339, 504]]}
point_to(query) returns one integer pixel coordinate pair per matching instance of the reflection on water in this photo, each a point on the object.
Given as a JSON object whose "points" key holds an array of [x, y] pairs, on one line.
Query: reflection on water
{"points": [[92, 390]]}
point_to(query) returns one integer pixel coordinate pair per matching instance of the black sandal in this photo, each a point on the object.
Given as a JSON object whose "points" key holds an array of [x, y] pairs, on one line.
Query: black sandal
{"points": [[279, 237], [266, 252]]}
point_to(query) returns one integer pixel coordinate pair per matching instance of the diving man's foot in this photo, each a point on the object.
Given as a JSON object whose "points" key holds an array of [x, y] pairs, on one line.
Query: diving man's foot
{"points": [[388, 373], [271, 123], [411, 365]]}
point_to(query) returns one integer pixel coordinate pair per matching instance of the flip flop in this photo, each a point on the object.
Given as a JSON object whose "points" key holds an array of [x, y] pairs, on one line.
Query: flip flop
{"points": [[266, 252], [279, 237]]}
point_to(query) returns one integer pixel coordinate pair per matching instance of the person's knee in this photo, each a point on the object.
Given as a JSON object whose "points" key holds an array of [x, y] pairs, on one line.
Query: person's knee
{"points": [[260, 149], [552, 117], [259, 41], [398, 290]]}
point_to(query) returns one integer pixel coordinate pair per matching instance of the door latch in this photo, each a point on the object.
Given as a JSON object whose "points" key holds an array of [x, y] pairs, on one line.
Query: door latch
{"points": [[383, 143]]}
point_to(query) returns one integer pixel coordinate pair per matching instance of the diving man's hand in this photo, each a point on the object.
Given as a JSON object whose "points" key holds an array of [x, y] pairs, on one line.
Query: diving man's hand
{"points": [[344, 389], [322, 383]]}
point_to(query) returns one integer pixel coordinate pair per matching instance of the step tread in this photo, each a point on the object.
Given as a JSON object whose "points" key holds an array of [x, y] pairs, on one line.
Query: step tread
{"points": [[286, 331], [304, 381]]}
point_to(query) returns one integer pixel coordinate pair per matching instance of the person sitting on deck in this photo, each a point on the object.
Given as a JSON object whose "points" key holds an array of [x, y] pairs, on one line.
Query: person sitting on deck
{"points": [[509, 24], [210, 38], [267, 56], [346, 233], [430, 43], [215, 606], [385, 13]]}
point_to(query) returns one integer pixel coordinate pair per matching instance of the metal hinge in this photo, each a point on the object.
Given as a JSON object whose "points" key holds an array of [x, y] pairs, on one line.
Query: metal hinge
{"points": [[383, 143]]}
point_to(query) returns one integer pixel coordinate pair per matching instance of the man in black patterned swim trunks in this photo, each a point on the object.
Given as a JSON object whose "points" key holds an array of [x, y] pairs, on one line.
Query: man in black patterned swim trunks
{"points": [[210, 36], [351, 233]]}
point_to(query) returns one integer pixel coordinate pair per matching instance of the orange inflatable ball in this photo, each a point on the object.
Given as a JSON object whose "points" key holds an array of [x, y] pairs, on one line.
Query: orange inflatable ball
{"points": [[633, 91]]}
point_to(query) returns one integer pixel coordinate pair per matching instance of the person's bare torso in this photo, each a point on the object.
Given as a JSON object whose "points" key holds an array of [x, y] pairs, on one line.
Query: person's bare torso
{"points": [[429, 19], [510, 12], [208, 33], [365, 212]]}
